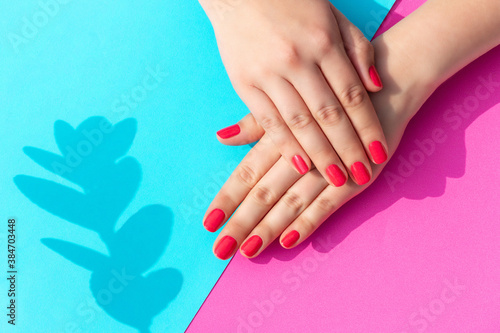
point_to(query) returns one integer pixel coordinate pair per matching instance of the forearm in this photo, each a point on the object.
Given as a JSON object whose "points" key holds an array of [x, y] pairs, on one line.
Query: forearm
{"points": [[433, 43]]}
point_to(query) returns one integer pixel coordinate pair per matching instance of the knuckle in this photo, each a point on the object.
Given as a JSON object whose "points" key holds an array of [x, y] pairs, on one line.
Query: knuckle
{"points": [[237, 226], [226, 198], [322, 40], [246, 175], [289, 55], [271, 124], [299, 121], [263, 196], [367, 129], [293, 201], [330, 115], [363, 45], [325, 204], [348, 150], [307, 226], [353, 96]]}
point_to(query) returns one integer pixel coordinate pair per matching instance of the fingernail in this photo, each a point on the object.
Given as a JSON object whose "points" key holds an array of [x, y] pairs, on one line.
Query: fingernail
{"points": [[361, 175], [229, 132], [251, 246], [291, 238], [225, 248], [214, 219], [336, 175], [300, 165], [378, 152], [375, 77]]}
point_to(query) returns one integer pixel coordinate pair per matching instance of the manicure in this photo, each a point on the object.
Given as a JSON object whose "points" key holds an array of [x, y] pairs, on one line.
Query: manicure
{"points": [[225, 248], [291, 238], [361, 175], [300, 165], [251, 246], [378, 152], [214, 220], [229, 132], [336, 175], [375, 77]]}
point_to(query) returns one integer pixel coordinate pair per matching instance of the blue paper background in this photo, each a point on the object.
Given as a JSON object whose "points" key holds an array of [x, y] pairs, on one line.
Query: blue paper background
{"points": [[96, 58]]}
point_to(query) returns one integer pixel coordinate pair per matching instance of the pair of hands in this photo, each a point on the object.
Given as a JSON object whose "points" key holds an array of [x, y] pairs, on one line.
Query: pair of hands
{"points": [[303, 70], [417, 55]]}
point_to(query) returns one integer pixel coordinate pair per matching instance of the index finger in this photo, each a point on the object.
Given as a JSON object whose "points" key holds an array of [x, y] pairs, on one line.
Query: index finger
{"points": [[251, 169]]}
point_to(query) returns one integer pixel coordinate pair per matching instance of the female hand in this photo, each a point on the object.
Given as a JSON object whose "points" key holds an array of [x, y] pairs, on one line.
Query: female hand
{"points": [[302, 68], [269, 199], [419, 53]]}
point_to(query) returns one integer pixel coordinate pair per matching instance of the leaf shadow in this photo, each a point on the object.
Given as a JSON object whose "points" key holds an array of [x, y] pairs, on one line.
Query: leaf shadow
{"points": [[92, 158]]}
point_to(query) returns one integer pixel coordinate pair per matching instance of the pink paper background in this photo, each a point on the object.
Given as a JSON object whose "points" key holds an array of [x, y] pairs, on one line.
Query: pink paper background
{"points": [[386, 260]]}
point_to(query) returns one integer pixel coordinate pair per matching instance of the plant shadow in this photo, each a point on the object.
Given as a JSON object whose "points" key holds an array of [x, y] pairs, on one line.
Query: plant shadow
{"points": [[93, 159]]}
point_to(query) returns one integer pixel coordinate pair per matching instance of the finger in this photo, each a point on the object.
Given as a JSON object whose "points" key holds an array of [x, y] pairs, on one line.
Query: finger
{"points": [[307, 131], [324, 205], [360, 51], [255, 206], [251, 169], [286, 210], [334, 123], [246, 131], [268, 116], [358, 107]]}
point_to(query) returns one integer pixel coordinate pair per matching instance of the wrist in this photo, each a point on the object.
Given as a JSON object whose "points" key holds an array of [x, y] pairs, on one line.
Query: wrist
{"points": [[406, 86], [210, 7]]}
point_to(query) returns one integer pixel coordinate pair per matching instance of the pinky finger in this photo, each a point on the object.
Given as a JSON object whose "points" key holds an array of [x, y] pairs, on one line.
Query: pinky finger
{"points": [[360, 51]]}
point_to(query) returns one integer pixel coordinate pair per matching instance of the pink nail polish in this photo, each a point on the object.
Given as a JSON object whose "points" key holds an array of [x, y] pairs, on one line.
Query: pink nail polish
{"points": [[214, 219], [300, 165], [378, 152], [229, 132], [291, 238], [361, 175], [336, 175], [251, 246], [225, 248], [375, 77]]}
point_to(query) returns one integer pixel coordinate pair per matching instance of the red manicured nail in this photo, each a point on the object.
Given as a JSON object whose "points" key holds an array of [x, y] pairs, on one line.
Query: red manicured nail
{"points": [[378, 152], [361, 175], [291, 238], [214, 219], [375, 77], [300, 165], [251, 246], [229, 132], [336, 175], [225, 248]]}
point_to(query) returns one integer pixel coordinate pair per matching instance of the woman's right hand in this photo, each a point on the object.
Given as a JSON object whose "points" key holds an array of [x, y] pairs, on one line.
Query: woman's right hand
{"points": [[303, 69], [418, 54]]}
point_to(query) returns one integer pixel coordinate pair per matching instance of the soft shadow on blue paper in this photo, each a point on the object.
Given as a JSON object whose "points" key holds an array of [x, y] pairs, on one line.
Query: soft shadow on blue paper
{"points": [[92, 158]]}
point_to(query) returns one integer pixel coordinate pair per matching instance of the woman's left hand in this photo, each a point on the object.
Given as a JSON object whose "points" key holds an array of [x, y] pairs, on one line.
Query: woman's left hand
{"points": [[269, 199]]}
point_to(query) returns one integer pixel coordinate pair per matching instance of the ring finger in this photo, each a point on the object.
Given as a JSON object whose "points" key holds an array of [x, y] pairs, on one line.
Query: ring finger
{"points": [[257, 203], [286, 210]]}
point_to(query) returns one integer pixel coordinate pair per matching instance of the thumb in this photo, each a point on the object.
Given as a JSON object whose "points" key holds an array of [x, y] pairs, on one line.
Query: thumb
{"points": [[246, 131]]}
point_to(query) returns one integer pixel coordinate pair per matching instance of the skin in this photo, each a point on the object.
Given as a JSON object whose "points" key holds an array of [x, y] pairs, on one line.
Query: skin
{"points": [[302, 69], [415, 57]]}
